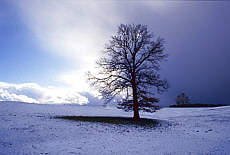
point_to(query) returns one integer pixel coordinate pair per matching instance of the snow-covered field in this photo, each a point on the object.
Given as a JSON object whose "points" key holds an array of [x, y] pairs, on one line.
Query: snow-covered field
{"points": [[30, 129]]}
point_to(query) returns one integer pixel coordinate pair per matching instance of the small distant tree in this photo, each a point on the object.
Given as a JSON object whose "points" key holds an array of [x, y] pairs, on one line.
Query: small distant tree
{"points": [[130, 68], [182, 99]]}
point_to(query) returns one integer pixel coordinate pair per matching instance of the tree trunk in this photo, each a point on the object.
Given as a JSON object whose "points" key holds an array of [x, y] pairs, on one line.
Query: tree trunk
{"points": [[135, 103], [134, 86]]}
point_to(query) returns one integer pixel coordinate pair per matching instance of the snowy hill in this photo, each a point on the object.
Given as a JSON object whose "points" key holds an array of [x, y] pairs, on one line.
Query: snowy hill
{"points": [[31, 129]]}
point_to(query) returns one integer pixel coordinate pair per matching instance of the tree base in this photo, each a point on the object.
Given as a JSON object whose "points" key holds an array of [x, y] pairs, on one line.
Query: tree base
{"points": [[136, 118]]}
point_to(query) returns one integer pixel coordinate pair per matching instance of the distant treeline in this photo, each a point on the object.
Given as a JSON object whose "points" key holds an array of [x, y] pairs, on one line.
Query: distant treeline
{"points": [[198, 105]]}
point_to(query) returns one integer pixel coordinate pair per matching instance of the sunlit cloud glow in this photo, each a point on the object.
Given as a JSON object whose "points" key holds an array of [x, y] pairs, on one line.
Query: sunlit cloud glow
{"points": [[76, 30]]}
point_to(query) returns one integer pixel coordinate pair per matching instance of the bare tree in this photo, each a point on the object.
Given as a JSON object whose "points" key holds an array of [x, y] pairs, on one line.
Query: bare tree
{"points": [[130, 68], [182, 99]]}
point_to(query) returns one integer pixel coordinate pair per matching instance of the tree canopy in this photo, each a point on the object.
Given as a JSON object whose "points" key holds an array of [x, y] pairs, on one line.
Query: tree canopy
{"points": [[182, 99], [130, 68]]}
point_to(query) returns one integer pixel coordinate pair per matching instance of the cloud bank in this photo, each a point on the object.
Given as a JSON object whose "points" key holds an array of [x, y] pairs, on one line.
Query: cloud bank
{"points": [[33, 93]]}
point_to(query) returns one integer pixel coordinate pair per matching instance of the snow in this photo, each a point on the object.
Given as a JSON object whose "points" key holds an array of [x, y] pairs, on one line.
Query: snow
{"points": [[31, 129]]}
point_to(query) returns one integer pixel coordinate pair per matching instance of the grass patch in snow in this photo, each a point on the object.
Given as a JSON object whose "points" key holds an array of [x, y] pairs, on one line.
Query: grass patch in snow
{"points": [[142, 122]]}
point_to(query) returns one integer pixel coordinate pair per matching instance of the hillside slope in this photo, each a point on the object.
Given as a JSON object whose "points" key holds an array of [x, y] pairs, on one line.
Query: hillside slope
{"points": [[31, 129]]}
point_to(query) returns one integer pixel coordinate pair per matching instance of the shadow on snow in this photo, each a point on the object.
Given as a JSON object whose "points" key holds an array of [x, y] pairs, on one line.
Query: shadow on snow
{"points": [[142, 122]]}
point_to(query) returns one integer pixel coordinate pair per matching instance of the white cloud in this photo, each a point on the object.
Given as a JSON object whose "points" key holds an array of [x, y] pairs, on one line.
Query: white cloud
{"points": [[6, 96], [76, 79], [33, 93]]}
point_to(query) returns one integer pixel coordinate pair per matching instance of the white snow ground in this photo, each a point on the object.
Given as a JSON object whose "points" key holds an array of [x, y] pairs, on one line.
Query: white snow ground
{"points": [[30, 129]]}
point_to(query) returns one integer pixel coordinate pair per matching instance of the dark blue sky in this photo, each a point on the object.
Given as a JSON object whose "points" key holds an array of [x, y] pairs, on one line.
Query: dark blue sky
{"points": [[53, 43]]}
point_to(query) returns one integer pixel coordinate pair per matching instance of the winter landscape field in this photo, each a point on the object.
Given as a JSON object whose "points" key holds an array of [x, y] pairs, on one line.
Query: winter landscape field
{"points": [[32, 129]]}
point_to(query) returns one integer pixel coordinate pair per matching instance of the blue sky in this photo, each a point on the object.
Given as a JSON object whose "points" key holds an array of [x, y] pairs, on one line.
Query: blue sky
{"points": [[47, 46], [22, 59]]}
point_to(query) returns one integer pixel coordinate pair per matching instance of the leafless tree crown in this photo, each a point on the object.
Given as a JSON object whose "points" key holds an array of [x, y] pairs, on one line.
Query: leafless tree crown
{"points": [[130, 67], [182, 99]]}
